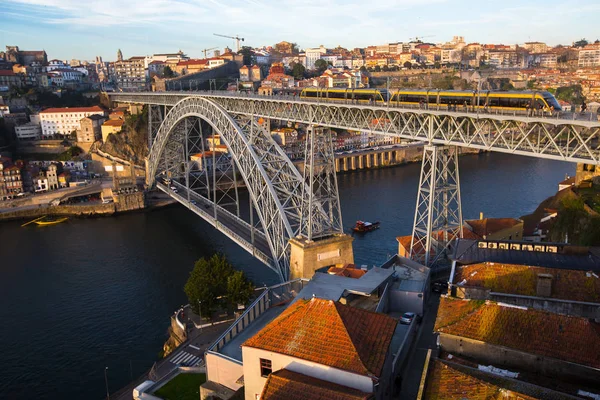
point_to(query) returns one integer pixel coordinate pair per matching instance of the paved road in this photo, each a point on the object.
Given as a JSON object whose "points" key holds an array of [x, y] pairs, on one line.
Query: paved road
{"points": [[426, 340]]}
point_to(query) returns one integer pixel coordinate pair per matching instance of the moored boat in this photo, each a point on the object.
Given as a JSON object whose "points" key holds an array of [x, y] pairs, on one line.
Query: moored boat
{"points": [[362, 226], [50, 221]]}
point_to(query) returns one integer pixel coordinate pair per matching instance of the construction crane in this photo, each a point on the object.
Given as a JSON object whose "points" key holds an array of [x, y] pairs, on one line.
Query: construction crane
{"points": [[207, 50], [237, 38], [418, 38]]}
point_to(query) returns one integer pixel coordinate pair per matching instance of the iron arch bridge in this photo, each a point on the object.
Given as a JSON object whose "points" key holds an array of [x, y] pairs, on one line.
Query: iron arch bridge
{"points": [[283, 203], [208, 181]]}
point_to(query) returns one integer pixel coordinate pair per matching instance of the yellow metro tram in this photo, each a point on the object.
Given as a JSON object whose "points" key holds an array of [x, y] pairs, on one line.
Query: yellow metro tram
{"points": [[457, 100]]}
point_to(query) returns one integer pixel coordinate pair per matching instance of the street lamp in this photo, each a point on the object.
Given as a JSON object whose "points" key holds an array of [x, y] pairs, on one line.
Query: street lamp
{"points": [[106, 382]]}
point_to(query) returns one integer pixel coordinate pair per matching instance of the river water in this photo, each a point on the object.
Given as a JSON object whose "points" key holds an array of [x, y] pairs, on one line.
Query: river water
{"points": [[90, 293]]}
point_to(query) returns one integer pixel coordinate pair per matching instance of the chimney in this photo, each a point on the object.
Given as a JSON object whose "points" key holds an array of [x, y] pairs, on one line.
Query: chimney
{"points": [[544, 285], [481, 215]]}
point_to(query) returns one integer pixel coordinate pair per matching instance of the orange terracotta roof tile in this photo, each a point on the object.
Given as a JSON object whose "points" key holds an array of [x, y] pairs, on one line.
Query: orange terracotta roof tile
{"points": [[114, 122], [289, 385], [487, 226], [330, 333], [563, 337], [522, 280], [446, 382]]}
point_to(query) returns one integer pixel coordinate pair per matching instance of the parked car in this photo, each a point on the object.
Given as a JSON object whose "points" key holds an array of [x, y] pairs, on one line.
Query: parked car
{"points": [[407, 318]]}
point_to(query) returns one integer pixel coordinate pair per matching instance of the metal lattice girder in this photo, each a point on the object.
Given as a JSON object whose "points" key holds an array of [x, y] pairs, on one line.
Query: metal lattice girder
{"points": [[274, 183], [321, 211], [438, 212], [551, 138]]}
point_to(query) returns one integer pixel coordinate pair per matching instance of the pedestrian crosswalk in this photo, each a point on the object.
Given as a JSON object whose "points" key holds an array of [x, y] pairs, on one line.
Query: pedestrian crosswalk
{"points": [[186, 359]]}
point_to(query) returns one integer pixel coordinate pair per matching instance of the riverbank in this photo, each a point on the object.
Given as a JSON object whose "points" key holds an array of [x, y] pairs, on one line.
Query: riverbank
{"points": [[133, 202]]}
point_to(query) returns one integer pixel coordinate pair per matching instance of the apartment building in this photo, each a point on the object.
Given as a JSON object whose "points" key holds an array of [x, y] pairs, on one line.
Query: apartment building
{"points": [[63, 121], [589, 56], [130, 74]]}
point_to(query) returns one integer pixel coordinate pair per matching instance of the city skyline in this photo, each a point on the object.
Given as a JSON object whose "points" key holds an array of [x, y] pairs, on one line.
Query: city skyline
{"points": [[66, 30]]}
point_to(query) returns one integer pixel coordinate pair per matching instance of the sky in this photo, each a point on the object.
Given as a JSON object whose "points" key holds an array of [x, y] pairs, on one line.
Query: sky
{"points": [[83, 29]]}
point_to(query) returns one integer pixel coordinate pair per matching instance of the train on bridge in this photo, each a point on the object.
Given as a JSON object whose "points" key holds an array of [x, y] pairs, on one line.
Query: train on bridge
{"points": [[451, 100]]}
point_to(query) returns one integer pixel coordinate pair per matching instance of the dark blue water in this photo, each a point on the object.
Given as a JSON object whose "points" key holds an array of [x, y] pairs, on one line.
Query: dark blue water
{"points": [[90, 293]]}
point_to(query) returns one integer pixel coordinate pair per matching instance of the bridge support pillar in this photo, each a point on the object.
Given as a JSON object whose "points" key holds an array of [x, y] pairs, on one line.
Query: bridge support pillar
{"points": [[353, 163], [361, 163], [308, 256], [438, 213], [337, 165], [368, 160]]}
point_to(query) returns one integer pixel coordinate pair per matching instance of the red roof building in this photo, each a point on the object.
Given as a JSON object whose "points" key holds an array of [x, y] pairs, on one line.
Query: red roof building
{"points": [[289, 385], [546, 337], [65, 110], [346, 345]]}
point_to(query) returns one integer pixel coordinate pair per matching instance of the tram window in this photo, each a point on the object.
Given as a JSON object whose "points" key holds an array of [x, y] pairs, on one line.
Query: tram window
{"points": [[432, 99], [362, 96], [444, 99], [310, 93], [492, 102], [337, 95], [504, 101], [539, 104]]}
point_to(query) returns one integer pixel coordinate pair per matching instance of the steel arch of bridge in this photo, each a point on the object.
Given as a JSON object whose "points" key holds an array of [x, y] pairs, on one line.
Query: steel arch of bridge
{"points": [[274, 184], [550, 138]]}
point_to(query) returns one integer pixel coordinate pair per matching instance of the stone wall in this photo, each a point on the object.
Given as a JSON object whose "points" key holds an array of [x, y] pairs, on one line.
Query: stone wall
{"points": [[126, 202], [130, 202]]}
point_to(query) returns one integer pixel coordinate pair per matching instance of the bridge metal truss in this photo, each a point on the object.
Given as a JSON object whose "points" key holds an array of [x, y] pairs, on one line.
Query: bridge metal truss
{"points": [[438, 212], [321, 211], [558, 139], [275, 185], [438, 216]]}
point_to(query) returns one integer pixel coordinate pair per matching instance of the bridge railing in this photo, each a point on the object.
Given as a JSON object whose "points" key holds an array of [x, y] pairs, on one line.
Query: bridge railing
{"points": [[471, 110]]}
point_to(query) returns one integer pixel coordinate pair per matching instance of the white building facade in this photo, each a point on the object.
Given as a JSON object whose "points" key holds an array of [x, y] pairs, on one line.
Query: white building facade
{"points": [[28, 131], [63, 121]]}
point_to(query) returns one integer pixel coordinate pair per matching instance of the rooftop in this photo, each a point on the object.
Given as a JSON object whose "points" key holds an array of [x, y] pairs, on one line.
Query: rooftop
{"points": [[522, 280], [114, 122], [71, 110], [233, 348], [333, 287], [330, 333], [488, 226], [527, 330], [446, 381], [468, 251], [94, 117], [288, 385]]}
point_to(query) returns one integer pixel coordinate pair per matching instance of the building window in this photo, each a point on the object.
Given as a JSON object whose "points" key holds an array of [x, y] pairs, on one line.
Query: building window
{"points": [[265, 367]]}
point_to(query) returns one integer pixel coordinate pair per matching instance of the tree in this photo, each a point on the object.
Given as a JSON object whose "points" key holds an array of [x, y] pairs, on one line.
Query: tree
{"points": [[531, 84], [239, 289], [408, 65], [363, 69], [168, 72], [248, 54], [298, 71], [321, 65], [581, 43], [209, 284], [572, 94], [377, 68], [437, 65], [385, 68]]}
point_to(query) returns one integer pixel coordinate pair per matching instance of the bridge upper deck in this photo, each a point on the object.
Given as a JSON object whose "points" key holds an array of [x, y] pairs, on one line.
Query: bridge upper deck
{"points": [[562, 136]]}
